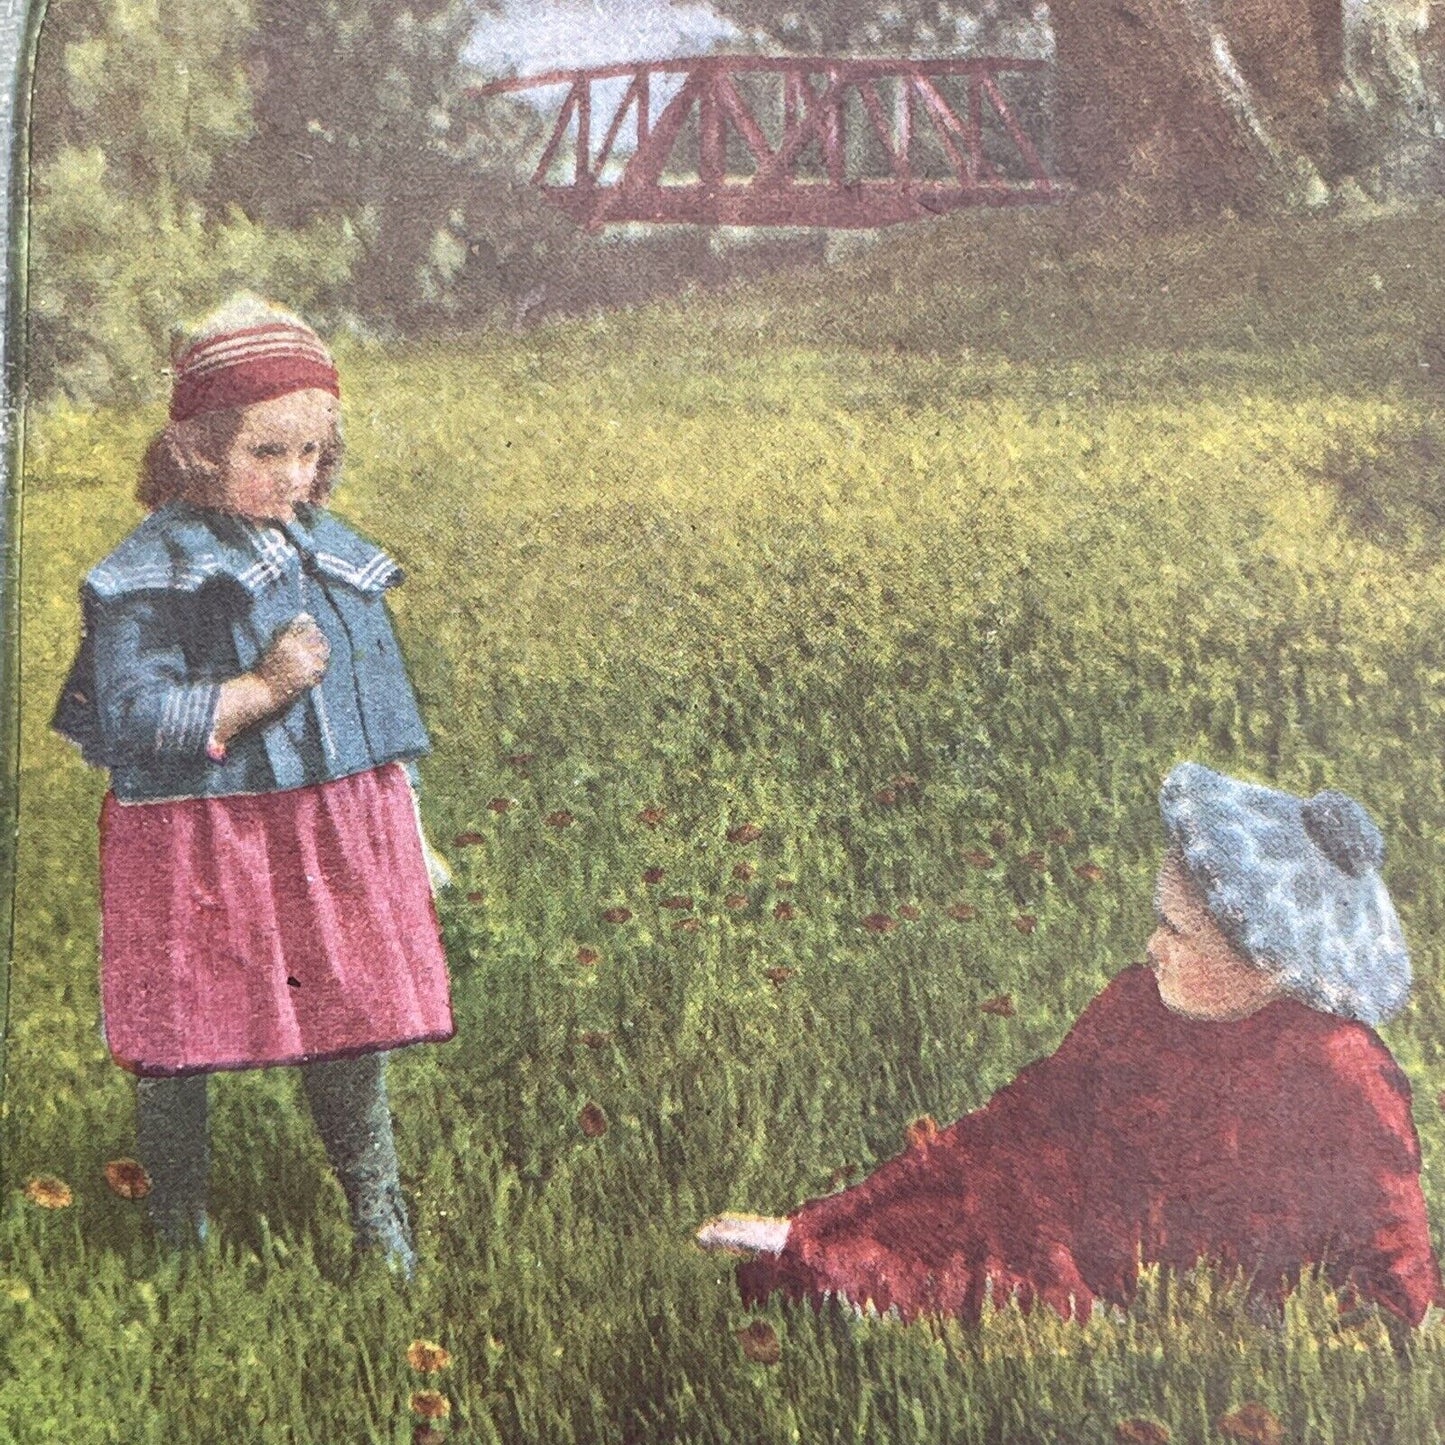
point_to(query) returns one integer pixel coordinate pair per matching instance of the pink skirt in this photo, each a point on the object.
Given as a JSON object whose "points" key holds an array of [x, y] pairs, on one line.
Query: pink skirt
{"points": [[271, 928]]}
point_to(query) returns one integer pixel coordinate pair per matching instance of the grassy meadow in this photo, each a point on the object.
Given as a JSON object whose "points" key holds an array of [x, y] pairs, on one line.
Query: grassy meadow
{"points": [[887, 593]]}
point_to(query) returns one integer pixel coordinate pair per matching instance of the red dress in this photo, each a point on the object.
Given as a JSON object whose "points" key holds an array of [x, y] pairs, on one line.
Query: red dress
{"points": [[1266, 1143]]}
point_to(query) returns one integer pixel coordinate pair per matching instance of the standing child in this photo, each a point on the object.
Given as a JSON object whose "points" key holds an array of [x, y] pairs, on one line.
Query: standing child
{"points": [[1231, 1103], [264, 890]]}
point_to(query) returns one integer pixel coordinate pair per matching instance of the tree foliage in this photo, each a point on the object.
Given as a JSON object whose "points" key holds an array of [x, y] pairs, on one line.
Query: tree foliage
{"points": [[323, 151], [836, 27], [134, 104], [1188, 104], [359, 115]]}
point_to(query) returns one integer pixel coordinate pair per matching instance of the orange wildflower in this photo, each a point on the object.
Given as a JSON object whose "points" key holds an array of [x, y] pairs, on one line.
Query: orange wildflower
{"points": [[47, 1192], [1252, 1423], [922, 1131], [427, 1357], [760, 1343], [430, 1404], [1140, 1431], [127, 1178]]}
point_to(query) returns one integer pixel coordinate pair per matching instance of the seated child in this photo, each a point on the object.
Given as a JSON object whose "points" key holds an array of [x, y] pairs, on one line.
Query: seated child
{"points": [[1228, 1103]]}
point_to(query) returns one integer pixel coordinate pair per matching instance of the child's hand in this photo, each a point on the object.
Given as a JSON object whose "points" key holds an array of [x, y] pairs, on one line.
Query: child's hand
{"points": [[295, 662], [744, 1234]]}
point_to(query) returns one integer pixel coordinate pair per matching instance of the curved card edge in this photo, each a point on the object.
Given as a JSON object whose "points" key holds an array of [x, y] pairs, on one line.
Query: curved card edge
{"points": [[20, 22]]}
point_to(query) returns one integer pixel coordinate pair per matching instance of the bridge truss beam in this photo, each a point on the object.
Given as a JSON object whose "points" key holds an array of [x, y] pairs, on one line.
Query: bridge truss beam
{"points": [[766, 141]]}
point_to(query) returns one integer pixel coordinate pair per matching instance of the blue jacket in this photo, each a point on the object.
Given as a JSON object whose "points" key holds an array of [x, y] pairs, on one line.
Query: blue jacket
{"points": [[193, 598]]}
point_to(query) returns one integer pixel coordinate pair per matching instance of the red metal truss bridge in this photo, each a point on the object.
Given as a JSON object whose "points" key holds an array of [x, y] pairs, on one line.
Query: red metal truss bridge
{"points": [[794, 141]]}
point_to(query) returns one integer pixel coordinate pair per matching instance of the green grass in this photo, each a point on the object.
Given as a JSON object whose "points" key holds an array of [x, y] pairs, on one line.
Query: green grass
{"points": [[1005, 509]]}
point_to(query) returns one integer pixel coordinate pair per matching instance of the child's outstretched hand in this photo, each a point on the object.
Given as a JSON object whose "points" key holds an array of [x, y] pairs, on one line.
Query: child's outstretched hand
{"points": [[296, 661], [744, 1234]]}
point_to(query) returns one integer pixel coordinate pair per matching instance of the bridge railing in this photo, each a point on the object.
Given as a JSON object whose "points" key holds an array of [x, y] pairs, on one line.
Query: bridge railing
{"points": [[764, 140]]}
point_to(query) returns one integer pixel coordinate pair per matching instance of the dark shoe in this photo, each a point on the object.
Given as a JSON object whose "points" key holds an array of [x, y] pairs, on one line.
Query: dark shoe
{"points": [[382, 1226]]}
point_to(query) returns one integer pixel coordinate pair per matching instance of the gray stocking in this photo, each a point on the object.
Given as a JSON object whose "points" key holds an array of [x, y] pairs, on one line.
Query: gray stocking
{"points": [[172, 1141], [348, 1102]]}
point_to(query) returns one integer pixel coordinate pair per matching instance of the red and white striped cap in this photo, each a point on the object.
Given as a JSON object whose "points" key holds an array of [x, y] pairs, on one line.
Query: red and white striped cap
{"points": [[247, 352]]}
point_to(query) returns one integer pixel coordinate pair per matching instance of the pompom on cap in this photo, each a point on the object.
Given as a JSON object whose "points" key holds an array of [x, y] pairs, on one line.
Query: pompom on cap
{"points": [[1294, 884]]}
